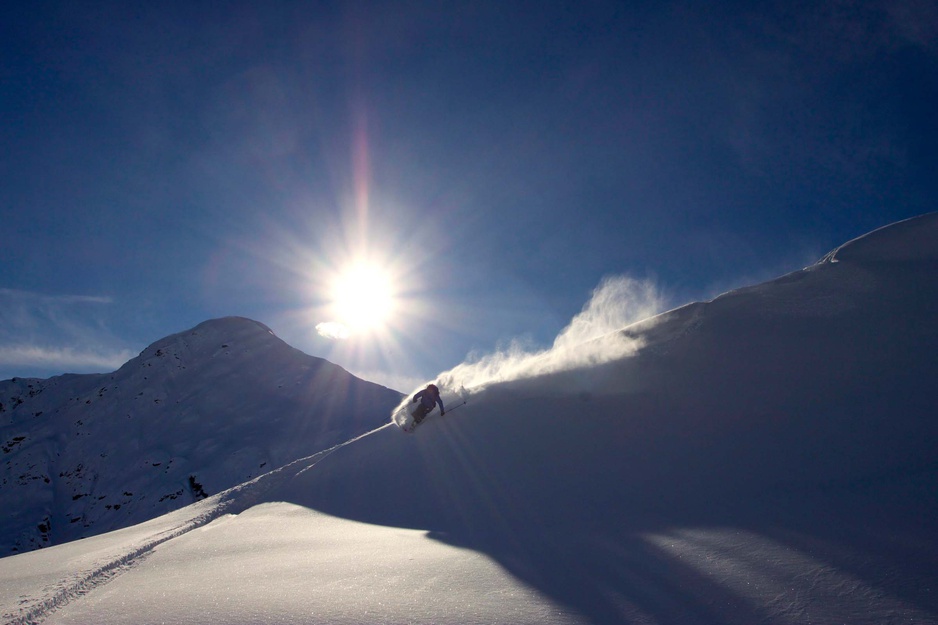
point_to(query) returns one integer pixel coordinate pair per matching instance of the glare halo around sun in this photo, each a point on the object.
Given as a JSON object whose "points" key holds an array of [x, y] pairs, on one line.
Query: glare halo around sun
{"points": [[363, 298]]}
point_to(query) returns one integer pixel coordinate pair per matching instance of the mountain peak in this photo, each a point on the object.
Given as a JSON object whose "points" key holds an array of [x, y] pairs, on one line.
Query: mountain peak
{"points": [[196, 412], [213, 339], [221, 329], [232, 324]]}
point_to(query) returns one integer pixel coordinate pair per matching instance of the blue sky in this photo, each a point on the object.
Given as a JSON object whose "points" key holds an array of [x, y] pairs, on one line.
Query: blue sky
{"points": [[174, 162]]}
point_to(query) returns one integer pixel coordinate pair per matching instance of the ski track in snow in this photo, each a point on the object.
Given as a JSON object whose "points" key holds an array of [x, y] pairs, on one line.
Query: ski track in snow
{"points": [[232, 501]]}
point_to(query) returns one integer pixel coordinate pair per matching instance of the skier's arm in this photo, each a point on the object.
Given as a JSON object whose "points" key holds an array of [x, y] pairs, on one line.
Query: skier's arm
{"points": [[417, 397], [439, 400]]}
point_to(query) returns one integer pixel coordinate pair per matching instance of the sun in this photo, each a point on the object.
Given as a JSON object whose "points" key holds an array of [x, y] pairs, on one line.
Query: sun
{"points": [[363, 297]]}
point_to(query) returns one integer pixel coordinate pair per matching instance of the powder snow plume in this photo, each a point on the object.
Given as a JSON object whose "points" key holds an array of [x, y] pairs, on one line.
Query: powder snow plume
{"points": [[592, 337]]}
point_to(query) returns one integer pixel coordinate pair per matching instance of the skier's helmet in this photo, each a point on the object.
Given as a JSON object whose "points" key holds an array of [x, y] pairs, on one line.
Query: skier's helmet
{"points": [[433, 389]]}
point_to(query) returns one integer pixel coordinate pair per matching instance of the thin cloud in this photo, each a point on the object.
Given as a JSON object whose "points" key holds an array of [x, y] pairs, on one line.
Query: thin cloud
{"points": [[332, 330], [41, 298], [915, 21], [48, 334], [34, 356]]}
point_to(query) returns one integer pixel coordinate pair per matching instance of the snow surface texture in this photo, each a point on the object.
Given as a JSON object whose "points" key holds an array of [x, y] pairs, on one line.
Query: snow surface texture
{"points": [[767, 457], [195, 413]]}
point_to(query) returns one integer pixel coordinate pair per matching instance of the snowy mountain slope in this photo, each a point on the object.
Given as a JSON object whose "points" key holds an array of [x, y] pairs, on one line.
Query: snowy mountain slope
{"points": [[764, 457], [822, 375], [212, 560], [811, 395], [193, 414]]}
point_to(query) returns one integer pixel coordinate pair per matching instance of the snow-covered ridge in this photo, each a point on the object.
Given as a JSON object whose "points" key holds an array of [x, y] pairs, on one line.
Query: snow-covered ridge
{"points": [[193, 414], [909, 240]]}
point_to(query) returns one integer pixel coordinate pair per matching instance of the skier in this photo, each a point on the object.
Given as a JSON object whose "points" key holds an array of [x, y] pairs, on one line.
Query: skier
{"points": [[429, 398]]}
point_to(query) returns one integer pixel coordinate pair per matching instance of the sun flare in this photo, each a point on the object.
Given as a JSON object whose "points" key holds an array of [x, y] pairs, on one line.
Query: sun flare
{"points": [[363, 297]]}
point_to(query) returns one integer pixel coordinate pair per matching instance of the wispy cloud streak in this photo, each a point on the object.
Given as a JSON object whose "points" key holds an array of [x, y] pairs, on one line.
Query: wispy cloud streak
{"points": [[34, 356], [43, 334], [54, 299]]}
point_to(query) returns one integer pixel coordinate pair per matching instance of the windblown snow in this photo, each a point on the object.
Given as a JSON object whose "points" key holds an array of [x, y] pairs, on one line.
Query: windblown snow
{"points": [[765, 457]]}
